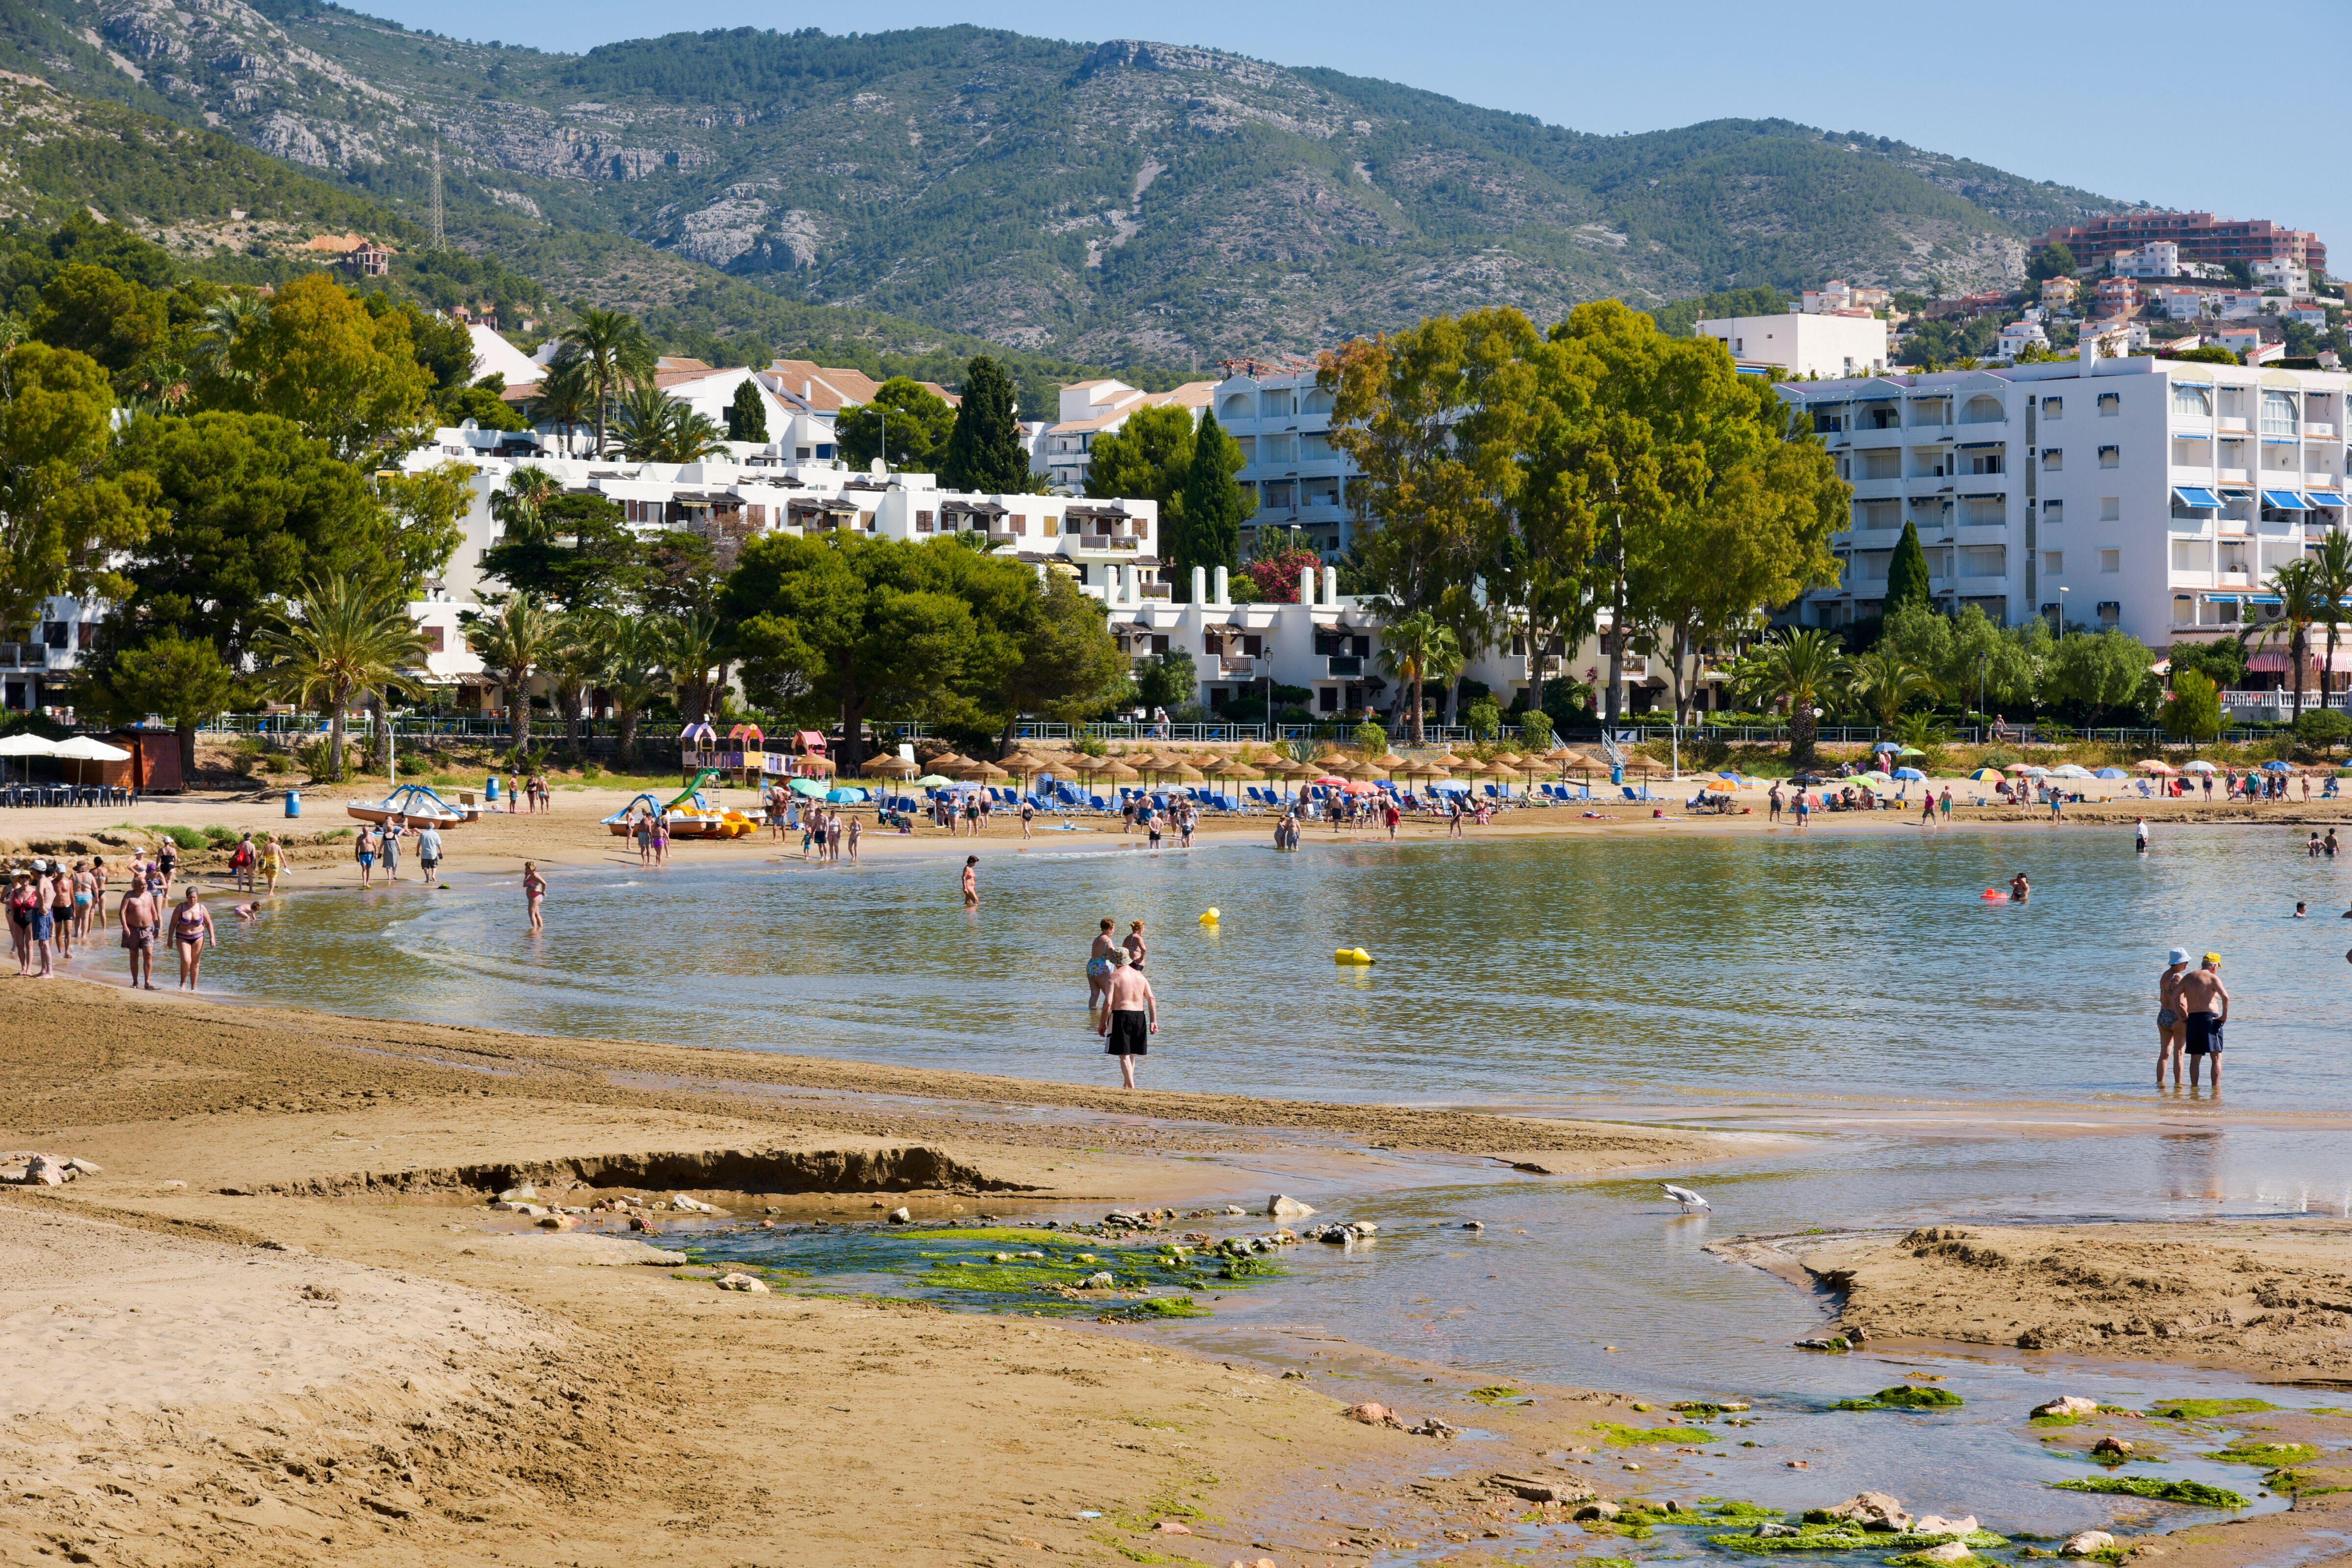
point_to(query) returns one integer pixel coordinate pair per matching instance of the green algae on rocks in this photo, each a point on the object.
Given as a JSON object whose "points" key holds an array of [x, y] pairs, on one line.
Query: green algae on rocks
{"points": [[2193, 1492], [1619, 1437], [1903, 1396], [2207, 1409], [1842, 1537]]}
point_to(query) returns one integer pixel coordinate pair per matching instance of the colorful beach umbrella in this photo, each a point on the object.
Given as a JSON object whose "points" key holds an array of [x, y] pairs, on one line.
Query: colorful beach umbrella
{"points": [[1987, 775], [2156, 765], [1909, 773]]}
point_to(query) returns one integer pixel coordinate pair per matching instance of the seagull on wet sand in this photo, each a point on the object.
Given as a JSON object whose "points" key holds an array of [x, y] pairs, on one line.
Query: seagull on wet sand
{"points": [[1684, 1196]]}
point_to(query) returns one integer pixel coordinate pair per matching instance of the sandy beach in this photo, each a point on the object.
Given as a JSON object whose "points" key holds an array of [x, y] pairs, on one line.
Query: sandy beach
{"points": [[278, 1325]]}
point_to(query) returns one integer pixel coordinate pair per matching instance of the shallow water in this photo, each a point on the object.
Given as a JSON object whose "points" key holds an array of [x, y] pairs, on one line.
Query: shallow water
{"points": [[1518, 972]]}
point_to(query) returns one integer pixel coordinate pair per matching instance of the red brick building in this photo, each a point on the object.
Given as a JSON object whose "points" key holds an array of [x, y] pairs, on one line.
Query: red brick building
{"points": [[2202, 237]]}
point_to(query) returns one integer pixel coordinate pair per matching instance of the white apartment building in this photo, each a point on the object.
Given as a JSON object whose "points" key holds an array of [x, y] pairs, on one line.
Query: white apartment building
{"points": [[31, 671], [2149, 494], [1283, 421], [2158, 259], [1838, 297], [1803, 344], [2018, 336], [1089, 409], [2281, 273]]}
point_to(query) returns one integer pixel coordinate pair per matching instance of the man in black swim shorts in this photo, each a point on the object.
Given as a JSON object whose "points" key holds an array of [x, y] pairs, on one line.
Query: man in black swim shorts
{"points": [[1130, 1014], [2206, 1001]]}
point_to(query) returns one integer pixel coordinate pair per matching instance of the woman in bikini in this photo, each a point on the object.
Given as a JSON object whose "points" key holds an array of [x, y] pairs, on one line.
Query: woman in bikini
{"points": [[534, 891], [191, 927]]}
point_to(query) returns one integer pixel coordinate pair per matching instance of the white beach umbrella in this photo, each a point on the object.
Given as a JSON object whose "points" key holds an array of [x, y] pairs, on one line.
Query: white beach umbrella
{"points": [[85, 749], [28, 745]]}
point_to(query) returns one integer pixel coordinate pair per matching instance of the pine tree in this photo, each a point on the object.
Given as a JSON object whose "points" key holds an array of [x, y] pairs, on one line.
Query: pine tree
{"points": [[747, 414], [984, 453], [1906, 574], [1214, 507]]}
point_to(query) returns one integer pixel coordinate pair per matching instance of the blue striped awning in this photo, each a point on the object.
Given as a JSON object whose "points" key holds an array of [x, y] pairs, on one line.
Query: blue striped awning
{"points": [[2261, 598], [2191, 435], [2326, 497], [2285, 500], [2220, 598], [2196, 496]]}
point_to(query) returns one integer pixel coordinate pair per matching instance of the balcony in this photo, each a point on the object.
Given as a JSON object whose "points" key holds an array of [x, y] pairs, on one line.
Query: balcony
{"points": [[1346, 666], [2233, 427], [22, 655], [1102, 541], [2318, 430], [2233, 477], [1238, 667]]}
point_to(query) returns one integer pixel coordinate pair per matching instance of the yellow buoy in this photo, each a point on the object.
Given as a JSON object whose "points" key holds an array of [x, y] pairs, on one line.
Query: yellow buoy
{"points": [[1351, 955], [1208, 917]]}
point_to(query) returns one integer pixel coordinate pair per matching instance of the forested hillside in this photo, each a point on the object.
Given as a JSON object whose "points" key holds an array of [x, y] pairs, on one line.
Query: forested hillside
{"points": [[1127, 203]]}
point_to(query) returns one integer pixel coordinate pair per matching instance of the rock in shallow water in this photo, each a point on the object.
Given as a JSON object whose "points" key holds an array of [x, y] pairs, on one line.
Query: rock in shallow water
{"points": [[1282, 1206], [2084, 1544], [2067, 1405]]}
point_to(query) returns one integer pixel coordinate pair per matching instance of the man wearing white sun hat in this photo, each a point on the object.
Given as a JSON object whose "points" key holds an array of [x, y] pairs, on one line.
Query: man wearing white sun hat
{"points": [[2171, 1031]]}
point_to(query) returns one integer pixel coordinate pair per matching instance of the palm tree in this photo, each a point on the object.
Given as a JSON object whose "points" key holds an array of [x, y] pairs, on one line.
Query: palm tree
{"points": [[519, 506], [611, 347], [340, 637], [513, 642], [1884, 681], [697, 660], [632, 667], [572, 666], [654, 429], [228, 323], [1414, 647], [566, 396], [2332, 564], [1802, 667], [2303, 603]]}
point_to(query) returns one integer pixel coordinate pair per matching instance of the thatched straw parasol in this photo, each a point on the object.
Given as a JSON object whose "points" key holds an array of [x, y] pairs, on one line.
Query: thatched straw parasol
{"points": [[889, 766], [1389, 763], [953, 765]]}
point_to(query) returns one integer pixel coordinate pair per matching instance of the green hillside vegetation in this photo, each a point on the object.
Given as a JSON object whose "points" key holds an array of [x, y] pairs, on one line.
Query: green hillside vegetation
{"points": [[1131, 204]]}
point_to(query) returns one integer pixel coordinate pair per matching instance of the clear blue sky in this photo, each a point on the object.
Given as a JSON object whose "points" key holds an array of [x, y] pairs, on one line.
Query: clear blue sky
{"points": [[2178, 103]]}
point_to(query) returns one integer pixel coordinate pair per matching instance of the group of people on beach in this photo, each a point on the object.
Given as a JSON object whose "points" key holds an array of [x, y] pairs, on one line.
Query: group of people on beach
{"points": [[826, 834], [1120, 1004], [1142, 813], [380, 846], [52, 906], [2192, 1005]]}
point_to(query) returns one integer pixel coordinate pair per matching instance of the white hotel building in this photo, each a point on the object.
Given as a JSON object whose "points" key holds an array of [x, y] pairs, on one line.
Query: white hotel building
{"points": [[2153, 495]]}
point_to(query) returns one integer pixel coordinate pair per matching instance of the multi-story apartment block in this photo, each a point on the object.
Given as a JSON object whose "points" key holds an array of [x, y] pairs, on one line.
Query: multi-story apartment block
{"points": [[33, 671], [1092, 409], [2060, 293], [1838, 297], [2018, 336], [2199, 237], [2150, 494], [2158, 258], [1283, 421], [2281, 274], [2116, 297]]}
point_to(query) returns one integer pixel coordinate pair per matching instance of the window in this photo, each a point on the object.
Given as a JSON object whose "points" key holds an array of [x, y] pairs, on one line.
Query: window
{"points": [[922, 522], [1274, 404], [2189, 555], [2053, 511], [1983, 410], [2111, 614], [1248, 444], [1314, 446], [2053, 460], [1326, 699], [433, 639], [2111, 560], [2278, 412], [2192, 401], [2053, 408], [2053, 563], [1052, 526], [2111, 457], [1983, 560], [1987, 460], [1020, 524], [1142, 528], [2111, 509], [1979, 511], [2184, 609], [2233, 555], [2111, 404]]}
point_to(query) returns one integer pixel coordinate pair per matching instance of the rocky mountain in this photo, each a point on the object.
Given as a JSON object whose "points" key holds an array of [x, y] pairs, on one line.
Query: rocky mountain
{"points": [[1127, 203]]}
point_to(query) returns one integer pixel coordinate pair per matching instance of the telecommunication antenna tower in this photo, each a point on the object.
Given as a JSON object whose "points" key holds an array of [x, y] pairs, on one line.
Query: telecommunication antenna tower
{"points": [[440, 236]]}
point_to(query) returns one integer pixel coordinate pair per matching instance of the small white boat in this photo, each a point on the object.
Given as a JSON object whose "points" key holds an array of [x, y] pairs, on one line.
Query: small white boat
{"points": [[416, 805]]}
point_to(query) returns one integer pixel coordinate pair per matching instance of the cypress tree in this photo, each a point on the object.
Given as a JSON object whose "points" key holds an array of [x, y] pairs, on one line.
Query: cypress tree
{"points": [[985, 451], [1214, 507], [747, 414], [1906, 574]]}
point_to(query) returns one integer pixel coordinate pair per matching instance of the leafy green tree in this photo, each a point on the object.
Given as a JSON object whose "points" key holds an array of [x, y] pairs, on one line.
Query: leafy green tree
{"points": [[573, 664], [918, 420], [483, 404], [342, 375], [514, 639], [577, 552], [425, 509], [2097, 672], [1804, 667], [680, 575], [1370, 740], [1535, 731], [520, 505], [96, 312], [747, 413], [1146, 459], [1169, 679], [2223, 660], [1208, 524], [1906, 573], [338, 637], [70, 505], [2052, 260], [179, 678], [1070, 668], [2210, 354], [2323, 728], [983, 452], [2193, 712]]}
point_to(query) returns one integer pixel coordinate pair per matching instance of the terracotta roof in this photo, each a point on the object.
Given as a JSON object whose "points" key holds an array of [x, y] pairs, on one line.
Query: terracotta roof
{"points": [[828, 390], [1192, 395]]}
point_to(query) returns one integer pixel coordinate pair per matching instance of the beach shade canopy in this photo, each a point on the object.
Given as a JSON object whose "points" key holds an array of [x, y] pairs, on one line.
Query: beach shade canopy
{"points": [[86, 749], [1114, 769], [986, 772], [2071, 771], [1874, 776], [808, 787], [1185, 772], [2111, 774], [2155, 765], [1389, 763], [1361, 786], [2198, 767], [1885, 746], [2273, 767], [1910, 751], [845, 796], [1909, 773], [816, 765], [1446, 761], [929, 781], [28, 745], [889, 766], [1987, 775], [1450, 787], [954, 765], [1331, 781], [2033, 771]]}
